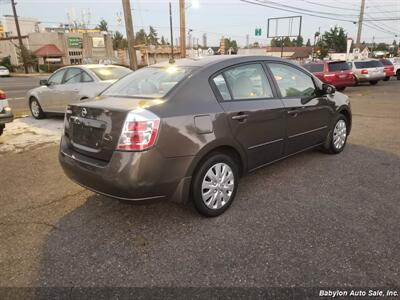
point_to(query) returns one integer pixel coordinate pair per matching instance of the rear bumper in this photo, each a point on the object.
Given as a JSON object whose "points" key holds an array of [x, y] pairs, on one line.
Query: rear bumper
{"points": [[135, 176], [344, 83], [6, 117], [389, 73], [368, 77]]}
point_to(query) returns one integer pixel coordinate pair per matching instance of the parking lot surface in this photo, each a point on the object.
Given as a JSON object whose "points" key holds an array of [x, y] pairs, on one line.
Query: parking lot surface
{"points": [[311, 220]]}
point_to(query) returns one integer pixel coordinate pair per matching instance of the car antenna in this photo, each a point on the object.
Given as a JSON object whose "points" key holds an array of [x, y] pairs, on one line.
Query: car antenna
{"points": [[171, 60]]}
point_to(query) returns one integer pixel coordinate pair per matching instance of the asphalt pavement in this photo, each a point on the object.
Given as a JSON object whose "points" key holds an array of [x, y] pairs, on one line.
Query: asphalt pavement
{"points": [[313, 220], [16, 88]]}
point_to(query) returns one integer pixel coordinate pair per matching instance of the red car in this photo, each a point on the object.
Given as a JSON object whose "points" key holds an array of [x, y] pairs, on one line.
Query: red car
{"points": [[389, 68], [336, 73]]}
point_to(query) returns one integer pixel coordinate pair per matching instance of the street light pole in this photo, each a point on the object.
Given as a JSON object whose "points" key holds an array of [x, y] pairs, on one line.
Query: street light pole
{"points": [[130, 34], [182, 27], [21, 45]]}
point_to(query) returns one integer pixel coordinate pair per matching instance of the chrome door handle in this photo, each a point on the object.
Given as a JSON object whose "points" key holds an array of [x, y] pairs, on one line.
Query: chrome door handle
{"points": [[240, 117]]}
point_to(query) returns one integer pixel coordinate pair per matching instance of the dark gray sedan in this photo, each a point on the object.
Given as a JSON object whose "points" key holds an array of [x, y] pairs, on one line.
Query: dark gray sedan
{"points": [[187, 131]]}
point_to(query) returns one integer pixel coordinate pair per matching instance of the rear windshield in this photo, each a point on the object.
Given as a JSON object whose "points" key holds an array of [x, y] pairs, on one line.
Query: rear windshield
{"points": [[313, 68], [148, 82], [338, 66], [368, 64], [3, 68], [110, 73], [386, 62]]}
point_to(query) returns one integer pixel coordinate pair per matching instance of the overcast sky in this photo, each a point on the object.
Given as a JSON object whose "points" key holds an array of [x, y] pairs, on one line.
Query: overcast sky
{"points": [[231, 18]]}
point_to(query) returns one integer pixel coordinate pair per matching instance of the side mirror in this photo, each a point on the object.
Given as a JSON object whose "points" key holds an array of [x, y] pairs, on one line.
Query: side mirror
{"points": [[43, 82], [328, 89]]}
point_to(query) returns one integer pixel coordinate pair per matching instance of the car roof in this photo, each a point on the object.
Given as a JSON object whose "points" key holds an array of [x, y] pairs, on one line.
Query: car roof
{"points": [[205, 61]]}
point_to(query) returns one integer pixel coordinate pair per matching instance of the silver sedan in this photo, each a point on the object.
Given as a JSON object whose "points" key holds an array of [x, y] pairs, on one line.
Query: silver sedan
{"points": [[70, 85]]}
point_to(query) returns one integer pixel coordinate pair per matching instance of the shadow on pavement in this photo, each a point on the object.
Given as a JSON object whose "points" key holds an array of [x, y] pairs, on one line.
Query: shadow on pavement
{"points": [[311, 220]]}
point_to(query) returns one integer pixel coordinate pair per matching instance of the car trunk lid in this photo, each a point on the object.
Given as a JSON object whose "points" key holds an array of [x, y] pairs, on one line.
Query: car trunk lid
{"points": [[93, 128]]}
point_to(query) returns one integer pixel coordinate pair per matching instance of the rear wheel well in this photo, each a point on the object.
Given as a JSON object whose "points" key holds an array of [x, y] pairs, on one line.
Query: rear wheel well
{"points": [[228, 150]]}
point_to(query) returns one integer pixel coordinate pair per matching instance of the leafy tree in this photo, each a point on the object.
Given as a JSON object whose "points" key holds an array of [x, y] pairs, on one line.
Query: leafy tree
{"points": [[381, 47], [335, 39], [141, 37], [308, 43], [6, 62], [152, 36], [163, 42], [103, 25], [119, 42], [230, 44], [299, 41]]}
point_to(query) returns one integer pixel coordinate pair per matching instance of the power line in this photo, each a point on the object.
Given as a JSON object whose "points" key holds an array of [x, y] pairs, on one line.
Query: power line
{"points": [[297, 11]]}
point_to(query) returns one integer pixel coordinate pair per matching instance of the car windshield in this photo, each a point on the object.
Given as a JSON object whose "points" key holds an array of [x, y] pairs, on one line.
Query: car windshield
{"points": [[368, 64], [3, 68], [386, 62], [313, 68], [149, 82], [110, 73], [338, 66]]}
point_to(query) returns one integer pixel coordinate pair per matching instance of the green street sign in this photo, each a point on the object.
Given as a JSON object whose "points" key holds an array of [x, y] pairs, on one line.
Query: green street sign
{"points": [[74, 42], [258, 32]]}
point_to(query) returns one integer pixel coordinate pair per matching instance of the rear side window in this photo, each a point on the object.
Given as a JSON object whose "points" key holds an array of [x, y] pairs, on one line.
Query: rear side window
{"points": [[386, 62], [86, 77], [314, 68], [368, 64], [338, 66], [291, 81], [248, 82], [73, 76], [222, 87]]}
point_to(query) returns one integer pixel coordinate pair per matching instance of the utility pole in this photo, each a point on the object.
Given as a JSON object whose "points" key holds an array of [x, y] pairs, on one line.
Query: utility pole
{"points": [[130, 34], [360, 22], [171, 60], [21, 45], [182, 27]]}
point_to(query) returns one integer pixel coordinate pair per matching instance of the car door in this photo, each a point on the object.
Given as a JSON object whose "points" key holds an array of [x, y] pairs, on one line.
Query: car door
{"points": [[69, 90], [308, 114], [51, 91], [255, 114]]}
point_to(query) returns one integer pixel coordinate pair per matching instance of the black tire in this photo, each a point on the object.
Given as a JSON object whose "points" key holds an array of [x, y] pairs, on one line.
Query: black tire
{"points": [[386, 78], [2, 128], [40, 114], [199, 176], [398, 75], [373, 82], [329, 146], [341, 89]]}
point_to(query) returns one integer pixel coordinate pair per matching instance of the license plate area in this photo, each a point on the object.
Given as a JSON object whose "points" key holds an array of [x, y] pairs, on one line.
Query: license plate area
{"points": [[87, 136]]}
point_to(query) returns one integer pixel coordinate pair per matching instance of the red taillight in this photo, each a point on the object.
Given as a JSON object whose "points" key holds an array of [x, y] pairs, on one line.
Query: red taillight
{"points": [[329, 77], [3, 95], [139, 131], [364, 72]]}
